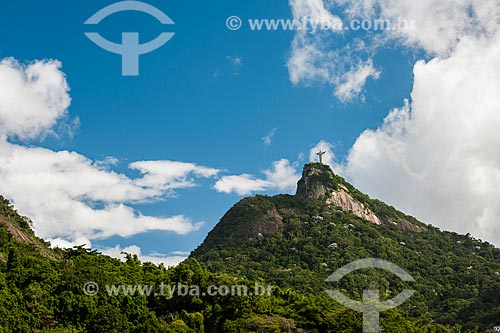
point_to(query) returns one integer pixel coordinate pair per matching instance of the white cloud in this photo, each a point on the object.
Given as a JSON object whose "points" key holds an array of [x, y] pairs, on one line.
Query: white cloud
{"points": [[168, 175], [32, 98], [438, 25], [437, 158], [306, 63], [282, 176], [315, 11], [68, 197], [316, 58], [268, 138], [107, 162], [242, 185], [352, 83], [156, 258], [71, 198], [433, 26], [65, 244]]}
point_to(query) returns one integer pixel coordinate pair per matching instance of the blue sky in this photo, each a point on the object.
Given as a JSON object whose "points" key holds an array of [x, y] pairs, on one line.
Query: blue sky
{"points": [[207, 97]]}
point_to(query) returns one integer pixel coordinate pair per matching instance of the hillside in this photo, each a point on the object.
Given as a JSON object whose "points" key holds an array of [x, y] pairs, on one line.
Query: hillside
{"points": [[298, 241], [291, 242], [42, 290]]}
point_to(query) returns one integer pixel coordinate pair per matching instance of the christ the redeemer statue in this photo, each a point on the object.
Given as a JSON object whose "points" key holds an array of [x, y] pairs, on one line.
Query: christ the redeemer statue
{"points": [[320, 154]]}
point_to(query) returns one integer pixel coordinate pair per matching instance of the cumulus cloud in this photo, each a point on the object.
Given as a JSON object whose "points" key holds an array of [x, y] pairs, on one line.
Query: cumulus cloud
{"points": [[66, 244], [281, 176], [308, 61], [173, 259], [316, 11], [32, 98], [333, 58], [107, 162], [168, 175], [242, 184], [71, 198], [315, 57], [435, 26], [437, 157], [351, 83]]}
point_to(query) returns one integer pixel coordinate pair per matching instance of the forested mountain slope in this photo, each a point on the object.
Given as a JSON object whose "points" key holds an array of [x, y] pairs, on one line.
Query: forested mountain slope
{"points": [[291, 242], [298, 241]]}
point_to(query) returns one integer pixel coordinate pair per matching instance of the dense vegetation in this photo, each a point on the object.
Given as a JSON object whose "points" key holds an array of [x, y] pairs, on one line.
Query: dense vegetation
{"points": [[41, 291], [291, 242], [457, 277]]}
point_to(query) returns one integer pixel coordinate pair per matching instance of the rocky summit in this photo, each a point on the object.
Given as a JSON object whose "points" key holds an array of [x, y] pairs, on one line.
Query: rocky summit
{"points": [[319, 182]]}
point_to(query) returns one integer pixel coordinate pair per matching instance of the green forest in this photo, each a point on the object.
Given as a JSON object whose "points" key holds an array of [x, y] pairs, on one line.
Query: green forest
{"points": [[290, 242]]}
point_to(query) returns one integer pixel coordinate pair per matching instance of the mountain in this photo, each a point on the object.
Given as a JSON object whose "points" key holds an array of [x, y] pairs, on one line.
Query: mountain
{"points": [[293, 242], [297, 241]]}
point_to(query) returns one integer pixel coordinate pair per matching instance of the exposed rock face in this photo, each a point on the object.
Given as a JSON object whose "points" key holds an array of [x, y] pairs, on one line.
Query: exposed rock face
{"points": [[18, 234], [268, 224], [317, 181], [343, 199], [408, 226]]}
